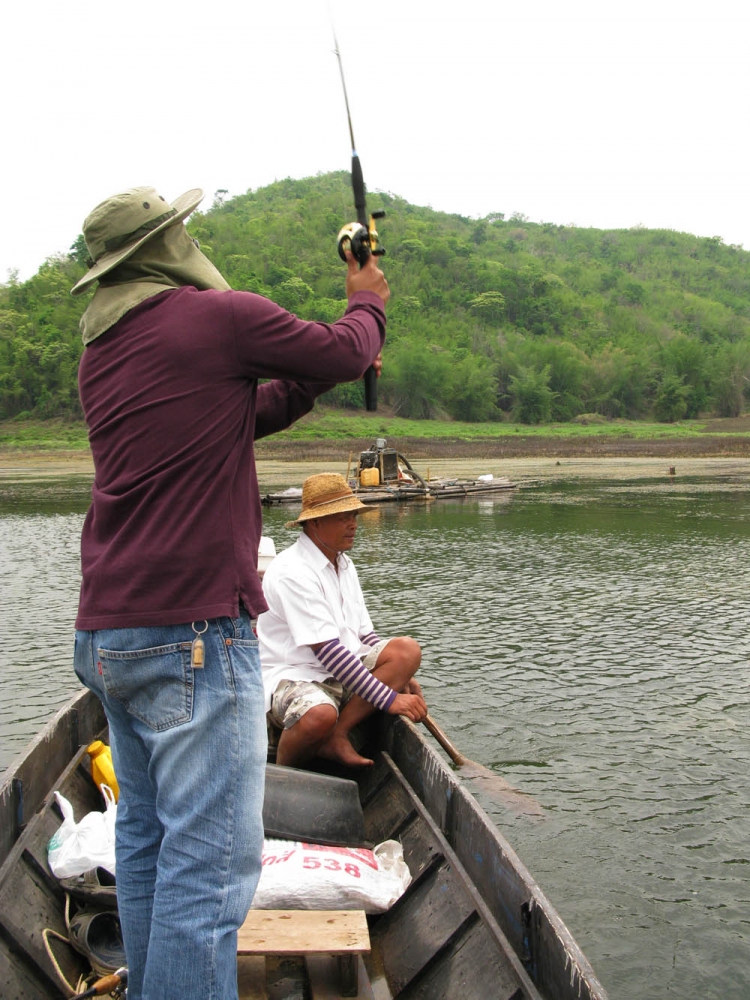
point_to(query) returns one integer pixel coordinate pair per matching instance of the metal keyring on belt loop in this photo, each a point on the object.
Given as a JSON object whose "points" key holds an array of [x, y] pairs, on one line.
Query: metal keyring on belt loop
{"points": [[205, 622]]}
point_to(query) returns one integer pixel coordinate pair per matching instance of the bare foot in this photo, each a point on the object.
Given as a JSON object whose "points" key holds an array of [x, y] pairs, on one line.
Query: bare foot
{"points": [[339, 748]]}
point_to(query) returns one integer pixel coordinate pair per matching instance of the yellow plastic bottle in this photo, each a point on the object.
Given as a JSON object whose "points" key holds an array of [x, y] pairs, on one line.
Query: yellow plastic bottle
{"points": [[102, 770]]}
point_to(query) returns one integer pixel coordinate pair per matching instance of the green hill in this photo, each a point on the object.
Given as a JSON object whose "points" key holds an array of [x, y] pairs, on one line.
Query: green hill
{"points": [[489, 319]]}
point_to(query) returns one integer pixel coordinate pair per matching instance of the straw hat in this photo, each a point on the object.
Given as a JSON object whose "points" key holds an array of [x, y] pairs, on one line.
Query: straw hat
{"points": [[324, 494], [118, 226]]}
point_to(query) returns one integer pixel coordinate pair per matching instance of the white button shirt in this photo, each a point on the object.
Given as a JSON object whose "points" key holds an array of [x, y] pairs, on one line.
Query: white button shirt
{"points": [[308, 603]]}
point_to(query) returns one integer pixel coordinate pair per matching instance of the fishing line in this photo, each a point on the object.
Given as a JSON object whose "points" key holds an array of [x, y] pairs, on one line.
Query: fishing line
{"points": [[360, 237]]}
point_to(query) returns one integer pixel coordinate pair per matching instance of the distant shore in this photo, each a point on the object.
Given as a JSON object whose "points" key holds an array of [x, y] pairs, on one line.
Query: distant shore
{"points": [[515, 447], [287, 463], [521, 445]]}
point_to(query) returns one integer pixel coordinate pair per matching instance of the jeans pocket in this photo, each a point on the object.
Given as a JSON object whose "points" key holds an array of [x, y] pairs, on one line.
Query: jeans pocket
{"points": [[155, 685], [243, 659], [245, 643]]}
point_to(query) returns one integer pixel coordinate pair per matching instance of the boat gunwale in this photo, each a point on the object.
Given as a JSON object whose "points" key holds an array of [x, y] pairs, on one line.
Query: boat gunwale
{"points": [[27, 784], [529, 920], [446, 854]]}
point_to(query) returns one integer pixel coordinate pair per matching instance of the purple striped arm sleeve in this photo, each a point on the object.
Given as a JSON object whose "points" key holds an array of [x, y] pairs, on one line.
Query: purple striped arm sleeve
{"points": [[348, 668], [371, 639]]}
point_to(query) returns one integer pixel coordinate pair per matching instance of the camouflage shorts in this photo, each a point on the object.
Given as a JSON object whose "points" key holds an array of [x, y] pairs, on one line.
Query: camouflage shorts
{"points": [[292, 699]]}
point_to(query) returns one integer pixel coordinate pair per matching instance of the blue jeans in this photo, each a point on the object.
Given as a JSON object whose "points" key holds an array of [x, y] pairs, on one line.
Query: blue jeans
{"points": [[189, 752]]}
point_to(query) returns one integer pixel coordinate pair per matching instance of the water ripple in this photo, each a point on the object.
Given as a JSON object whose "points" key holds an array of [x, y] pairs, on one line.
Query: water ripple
{"points": [[589, 641]]}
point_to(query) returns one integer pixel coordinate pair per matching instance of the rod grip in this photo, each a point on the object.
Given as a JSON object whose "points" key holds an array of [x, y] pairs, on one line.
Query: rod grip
{"points": [[371, 390]]}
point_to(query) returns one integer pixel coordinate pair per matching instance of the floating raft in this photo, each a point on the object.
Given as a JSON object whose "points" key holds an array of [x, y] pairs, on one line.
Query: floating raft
{"points": [[382, 475], [433, 489]]}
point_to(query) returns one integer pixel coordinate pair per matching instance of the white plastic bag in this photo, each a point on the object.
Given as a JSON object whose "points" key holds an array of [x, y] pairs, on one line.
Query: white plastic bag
{"points": [[299, 876], [77, 847]]}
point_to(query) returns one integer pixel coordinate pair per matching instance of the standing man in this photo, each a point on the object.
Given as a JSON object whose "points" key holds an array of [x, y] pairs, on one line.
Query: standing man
{"points": [[169, 387], [325, 669]]}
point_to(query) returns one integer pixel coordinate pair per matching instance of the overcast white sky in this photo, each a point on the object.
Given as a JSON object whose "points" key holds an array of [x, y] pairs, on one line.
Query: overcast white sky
{"points": [[605, 113]]}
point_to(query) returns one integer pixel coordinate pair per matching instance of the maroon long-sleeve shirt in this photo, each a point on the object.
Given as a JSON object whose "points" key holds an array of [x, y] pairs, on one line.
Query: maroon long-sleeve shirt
{"points": [[172, 402]]}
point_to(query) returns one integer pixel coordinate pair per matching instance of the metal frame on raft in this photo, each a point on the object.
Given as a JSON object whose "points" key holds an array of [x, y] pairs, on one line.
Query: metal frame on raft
{"points": [[398, 480]]}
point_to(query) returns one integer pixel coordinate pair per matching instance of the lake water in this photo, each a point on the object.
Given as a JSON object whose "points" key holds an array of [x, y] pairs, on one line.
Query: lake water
{"points": [[589, 640]]}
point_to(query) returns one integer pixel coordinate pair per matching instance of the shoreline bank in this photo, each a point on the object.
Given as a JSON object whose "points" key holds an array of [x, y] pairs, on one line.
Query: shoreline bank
{"points": [[276, 471]]}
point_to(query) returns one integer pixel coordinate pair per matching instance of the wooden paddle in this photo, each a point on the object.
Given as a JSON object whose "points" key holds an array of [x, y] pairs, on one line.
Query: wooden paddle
{"points": [[493, 784]]}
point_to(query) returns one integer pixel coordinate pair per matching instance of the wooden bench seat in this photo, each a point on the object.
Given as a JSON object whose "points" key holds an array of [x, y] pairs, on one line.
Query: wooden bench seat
{"points": [[341, 933]]}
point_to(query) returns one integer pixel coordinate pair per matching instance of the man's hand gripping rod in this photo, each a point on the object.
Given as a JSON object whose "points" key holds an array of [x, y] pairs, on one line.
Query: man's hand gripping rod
{"points": [[361, 237]]}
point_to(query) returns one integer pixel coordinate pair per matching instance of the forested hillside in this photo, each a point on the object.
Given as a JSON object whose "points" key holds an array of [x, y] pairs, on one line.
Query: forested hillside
{"points": [[489, 319]]}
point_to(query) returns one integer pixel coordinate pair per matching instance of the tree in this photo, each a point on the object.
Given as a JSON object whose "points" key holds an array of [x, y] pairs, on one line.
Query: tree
{"points": [[489, 306], [416, 378], [474, 389], [79, 251], [731, 377], [670, 403], [532, 396], [568, 369], [687, 359], [618, 384], [292, 293]]}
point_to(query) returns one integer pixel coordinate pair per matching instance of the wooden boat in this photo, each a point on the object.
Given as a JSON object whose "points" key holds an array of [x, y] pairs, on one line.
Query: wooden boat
{"points": [[472, 925], [382, 475]]}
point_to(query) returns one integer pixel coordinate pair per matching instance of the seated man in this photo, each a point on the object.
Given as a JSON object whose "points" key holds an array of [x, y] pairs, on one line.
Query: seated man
{"points": [[324, 668]]}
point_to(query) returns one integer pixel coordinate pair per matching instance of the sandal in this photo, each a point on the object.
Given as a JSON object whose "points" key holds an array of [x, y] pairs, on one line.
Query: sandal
{"points": [[98, 937], [96, 887]]}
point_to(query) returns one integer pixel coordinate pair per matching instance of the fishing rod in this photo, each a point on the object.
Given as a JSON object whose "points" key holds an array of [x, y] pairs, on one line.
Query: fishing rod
{"points": [[360, 237]]}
